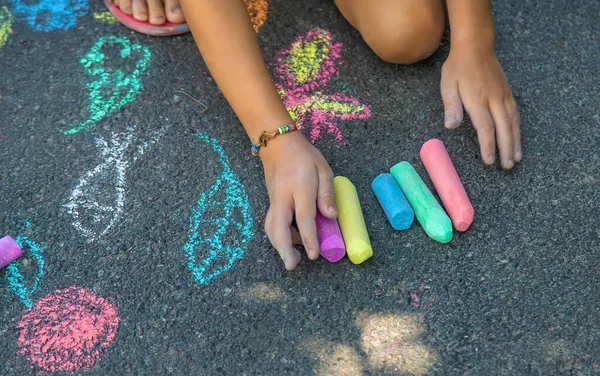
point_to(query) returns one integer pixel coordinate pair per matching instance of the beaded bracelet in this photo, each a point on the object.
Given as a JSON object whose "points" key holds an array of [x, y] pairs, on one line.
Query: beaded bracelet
{"points": [[267, 136]]}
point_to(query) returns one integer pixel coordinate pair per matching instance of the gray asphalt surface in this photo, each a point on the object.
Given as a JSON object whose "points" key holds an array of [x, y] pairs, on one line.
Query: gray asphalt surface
{"points": [[517, 294]]}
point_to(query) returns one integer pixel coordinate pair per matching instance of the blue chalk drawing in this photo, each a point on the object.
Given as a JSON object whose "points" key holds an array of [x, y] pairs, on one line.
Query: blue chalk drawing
{"points": [[123, 86], [48, 15], [16, 280], [220, 247]]}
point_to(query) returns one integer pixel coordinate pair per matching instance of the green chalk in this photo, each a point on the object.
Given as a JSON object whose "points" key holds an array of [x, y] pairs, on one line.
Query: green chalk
{"points": [[428, 211]]}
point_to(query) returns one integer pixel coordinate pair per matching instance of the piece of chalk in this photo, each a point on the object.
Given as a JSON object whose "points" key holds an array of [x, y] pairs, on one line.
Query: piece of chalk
{"points": [[392, 200], [447, 184], [9, 251], [428, 211], [351, 220], [331, 242]]}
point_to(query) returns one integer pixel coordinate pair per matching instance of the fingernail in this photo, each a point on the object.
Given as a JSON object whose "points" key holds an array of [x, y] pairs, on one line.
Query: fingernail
{"points": [[449, 120], [288, 265], [509, 163], [518, 156], [332, 210], [489, 159]]}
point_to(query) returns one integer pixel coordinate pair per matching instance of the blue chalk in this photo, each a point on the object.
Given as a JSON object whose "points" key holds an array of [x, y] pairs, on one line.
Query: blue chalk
{"points": [[392, 200]]}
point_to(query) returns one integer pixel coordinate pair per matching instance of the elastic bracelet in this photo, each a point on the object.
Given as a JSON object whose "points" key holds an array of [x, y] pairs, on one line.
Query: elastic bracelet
{"points": [[267, 136]]}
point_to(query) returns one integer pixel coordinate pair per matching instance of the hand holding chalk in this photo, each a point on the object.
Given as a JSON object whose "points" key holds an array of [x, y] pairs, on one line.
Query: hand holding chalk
{"points": [[351, 221], [331, 242], [9, 251], [428, 211], [447, 183]]}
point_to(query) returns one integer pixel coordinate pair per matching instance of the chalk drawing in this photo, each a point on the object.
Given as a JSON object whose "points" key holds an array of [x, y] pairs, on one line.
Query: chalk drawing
{"points": [[123, 86], [68, 330], [48, 15], [16, 280], [5, 25], [305, 70], [105, 17], [257, 10], [214, 230], [97, 201]]}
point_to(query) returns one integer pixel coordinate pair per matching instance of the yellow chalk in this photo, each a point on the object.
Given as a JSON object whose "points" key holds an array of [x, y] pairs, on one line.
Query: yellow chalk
{"points": [[351, 220]]}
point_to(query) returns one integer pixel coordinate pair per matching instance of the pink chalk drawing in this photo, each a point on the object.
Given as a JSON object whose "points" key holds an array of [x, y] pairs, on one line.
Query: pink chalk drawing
{"points": [[68, 330], [305, 70]]}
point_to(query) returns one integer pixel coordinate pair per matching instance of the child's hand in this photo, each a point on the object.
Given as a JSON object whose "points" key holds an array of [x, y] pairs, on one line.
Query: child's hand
{"points": [[299, 181], [473, 78]]}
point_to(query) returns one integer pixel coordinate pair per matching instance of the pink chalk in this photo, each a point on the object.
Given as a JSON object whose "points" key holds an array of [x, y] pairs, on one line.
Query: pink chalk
{"points": [[9, 251], [330, 238], [447, 184]]}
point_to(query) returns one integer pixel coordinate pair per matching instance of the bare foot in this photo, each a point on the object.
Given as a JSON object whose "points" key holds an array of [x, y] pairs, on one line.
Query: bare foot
{"points": [[157, 12]]}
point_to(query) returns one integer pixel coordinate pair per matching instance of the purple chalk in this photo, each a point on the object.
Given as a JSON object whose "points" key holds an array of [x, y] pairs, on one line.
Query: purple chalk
{"points": [[9, 251], [330, 238]]}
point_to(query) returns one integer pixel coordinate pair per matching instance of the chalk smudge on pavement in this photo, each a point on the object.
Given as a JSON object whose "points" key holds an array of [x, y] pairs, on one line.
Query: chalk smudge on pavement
{"points": [[48, 15]]}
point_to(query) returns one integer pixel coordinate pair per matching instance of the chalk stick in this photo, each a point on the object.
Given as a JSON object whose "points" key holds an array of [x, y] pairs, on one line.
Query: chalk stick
{"points": [[392, 200], [351, 220], [331, 242], [9, 251], [428, 211], [447, 184]]}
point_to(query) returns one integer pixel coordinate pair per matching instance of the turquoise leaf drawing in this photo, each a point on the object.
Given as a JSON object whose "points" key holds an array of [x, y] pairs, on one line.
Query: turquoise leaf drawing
{"points": [[122, 86], [16, 280], [220, 224]]}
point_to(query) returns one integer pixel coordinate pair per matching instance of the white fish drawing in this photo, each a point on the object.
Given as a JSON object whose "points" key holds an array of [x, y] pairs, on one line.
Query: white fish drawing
{"points": [[97, 201]]}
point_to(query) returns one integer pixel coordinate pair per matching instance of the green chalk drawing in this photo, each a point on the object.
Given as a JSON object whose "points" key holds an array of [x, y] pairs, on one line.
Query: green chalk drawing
{"points": [[123, 86], [16, 280]]}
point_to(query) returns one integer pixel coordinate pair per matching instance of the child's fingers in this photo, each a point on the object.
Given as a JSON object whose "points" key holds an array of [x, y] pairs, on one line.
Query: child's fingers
{"points": [[504, 135], [296, 238], [306, 211], [326, 195], [513, 113], [277, 227], [453, 108], [484, 125]]}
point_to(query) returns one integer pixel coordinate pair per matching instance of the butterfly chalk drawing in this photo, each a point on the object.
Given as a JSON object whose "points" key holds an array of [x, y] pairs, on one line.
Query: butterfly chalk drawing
{"points": [[17, 282], [305, 70], [220, 229], [97, 201], [48, 15], [122, 86]]}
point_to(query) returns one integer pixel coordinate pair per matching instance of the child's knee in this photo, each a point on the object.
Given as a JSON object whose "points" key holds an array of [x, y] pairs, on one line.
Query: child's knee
{"points": [[408, 38]]}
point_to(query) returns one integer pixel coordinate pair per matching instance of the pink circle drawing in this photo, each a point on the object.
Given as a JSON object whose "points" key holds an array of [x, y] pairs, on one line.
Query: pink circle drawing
{"points": [[67, 330]]}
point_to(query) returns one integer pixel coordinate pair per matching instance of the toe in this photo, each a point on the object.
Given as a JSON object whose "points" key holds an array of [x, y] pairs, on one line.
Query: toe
{"points": [[157, 12], [140, 10], [125, 6], [173, 11]]}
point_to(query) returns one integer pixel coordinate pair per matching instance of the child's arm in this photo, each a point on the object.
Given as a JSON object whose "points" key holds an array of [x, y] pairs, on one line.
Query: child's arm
{"points": [[298, 177], [472, 77]]}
